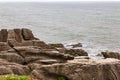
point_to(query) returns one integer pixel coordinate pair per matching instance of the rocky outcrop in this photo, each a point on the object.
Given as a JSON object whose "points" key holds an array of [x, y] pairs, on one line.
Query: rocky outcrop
{"points": [[23, 54], [80, 69], [108, 54]]}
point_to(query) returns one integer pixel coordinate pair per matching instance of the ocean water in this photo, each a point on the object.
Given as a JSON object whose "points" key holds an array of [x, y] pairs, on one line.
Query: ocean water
{"points": [[94, 24]]}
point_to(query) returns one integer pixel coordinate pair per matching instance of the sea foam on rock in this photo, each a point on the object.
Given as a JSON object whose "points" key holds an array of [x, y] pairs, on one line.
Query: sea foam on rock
{"points": [[21, 53]]}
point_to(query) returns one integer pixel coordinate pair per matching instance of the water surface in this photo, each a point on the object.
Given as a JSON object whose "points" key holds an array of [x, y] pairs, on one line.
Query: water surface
{"points": [[96, 25]]}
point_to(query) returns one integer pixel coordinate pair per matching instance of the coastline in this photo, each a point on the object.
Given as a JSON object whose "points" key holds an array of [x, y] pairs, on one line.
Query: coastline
{"points": [[21, 53]]}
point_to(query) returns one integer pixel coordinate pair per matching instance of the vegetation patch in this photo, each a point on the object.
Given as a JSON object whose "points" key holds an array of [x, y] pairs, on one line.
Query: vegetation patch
{"points": [[61, 78], [14, 77]]}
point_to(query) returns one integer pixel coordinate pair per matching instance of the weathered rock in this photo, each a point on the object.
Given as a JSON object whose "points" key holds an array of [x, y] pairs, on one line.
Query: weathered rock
{"points": [[53, 55], [76, 52], [41, 44], [18, 35], [4, 46], [57, 45], [24, 49], [82, 57], [32, 59], [108, 54], [13, 42], [11, 34], [11, 57], [3, 35], [81, 69], [34, 66], [27, 43], [51, 61], [47, 61], [27, 34], [20, 69], [32, 54], [12, 68]]}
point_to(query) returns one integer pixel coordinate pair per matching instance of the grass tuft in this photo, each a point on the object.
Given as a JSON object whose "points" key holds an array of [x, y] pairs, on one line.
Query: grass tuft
{"points": [[14, 77], [61, 78]]}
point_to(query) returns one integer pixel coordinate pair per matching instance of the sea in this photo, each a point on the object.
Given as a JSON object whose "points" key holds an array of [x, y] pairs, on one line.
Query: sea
{"points": [[94, 24]]}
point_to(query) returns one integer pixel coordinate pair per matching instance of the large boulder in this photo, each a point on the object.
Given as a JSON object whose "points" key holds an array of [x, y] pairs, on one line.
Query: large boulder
{"points": [[80, 69], [27, 34], [108, 54]]}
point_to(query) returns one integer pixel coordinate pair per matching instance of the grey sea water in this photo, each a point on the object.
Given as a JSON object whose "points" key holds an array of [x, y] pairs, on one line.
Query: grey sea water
{"points": [[95, 24]]}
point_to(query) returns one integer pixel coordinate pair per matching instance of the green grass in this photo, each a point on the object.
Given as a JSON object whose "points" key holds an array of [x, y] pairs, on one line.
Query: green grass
{"points": [[14, 77], [61, 78]]}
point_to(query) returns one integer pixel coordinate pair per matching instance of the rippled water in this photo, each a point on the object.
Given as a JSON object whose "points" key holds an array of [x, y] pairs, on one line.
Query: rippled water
{"points": [[96, 25]]}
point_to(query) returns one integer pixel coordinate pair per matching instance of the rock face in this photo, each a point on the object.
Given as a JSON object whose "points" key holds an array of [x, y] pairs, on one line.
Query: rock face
{"points": [[108, 54], [27, 34], [81, 69], [3, 35], [23, 54], [12, 68]]}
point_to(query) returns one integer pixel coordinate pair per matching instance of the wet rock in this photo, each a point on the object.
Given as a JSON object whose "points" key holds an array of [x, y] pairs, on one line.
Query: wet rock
{"points": [[108, 54], [76, 52]]}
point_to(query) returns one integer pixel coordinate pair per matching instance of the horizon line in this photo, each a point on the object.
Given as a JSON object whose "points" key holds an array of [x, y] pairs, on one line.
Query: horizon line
{"points": [[53, 1]]}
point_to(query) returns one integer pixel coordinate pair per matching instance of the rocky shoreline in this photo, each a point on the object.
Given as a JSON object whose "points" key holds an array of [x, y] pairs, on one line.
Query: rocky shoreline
{"points": [[21, 53]]}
